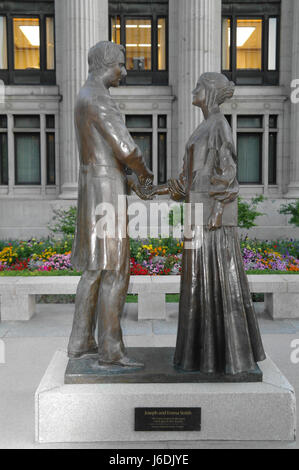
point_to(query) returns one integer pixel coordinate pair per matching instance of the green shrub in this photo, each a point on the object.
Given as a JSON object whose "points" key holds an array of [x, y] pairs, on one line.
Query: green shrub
{"points": [[176, 216], [247, 212], [293, 210], [64, 221]]}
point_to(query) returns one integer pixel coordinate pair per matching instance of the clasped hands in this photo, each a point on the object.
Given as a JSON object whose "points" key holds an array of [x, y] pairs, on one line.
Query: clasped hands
{"points": [[144, 188]]}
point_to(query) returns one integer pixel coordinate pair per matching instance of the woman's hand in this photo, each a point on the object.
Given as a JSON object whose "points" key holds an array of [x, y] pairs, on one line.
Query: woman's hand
{"points": [[215, 220]]}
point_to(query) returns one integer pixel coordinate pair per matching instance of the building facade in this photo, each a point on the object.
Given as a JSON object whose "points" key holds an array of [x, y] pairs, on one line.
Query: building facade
{"points": [[169, 43]]}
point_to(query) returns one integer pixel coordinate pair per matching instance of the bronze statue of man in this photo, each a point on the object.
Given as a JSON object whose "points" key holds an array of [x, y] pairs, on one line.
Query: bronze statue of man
{"points": [[106, 150]]}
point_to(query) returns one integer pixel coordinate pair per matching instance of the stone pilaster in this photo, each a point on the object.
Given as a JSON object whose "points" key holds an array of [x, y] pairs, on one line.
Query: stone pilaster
{"points": [[199, 51], [294, 162], [80, 24]]}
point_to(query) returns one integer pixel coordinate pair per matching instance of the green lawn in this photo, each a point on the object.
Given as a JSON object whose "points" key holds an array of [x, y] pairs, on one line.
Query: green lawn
{"points": [[75, 273], [170, 298]]}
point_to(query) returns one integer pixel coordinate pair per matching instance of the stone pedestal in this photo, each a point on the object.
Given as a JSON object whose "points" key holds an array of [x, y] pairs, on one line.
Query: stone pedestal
{"points": [[105, 412]]}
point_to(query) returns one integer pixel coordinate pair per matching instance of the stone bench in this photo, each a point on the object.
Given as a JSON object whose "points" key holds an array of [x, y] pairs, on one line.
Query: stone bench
{"points": [[18, 294]]}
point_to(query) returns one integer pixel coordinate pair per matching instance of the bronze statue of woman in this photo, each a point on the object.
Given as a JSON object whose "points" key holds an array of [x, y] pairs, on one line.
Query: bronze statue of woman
{"points": [[218, 332]]}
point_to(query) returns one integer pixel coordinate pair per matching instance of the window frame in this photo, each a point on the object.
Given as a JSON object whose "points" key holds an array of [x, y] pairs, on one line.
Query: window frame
{"points": [[154, 12], [246, 77], [43, 76]]}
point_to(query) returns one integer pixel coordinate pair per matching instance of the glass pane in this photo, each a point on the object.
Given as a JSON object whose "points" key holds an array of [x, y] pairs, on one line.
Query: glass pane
{"points": [[26, 43], [249, 44], [50, 44], [3, 43], [144, 142], [27, 148], [50, 121], [226, 35], [161, 44], [272, 43], [249, 155], [3, 160], [255, 122], [139, 44], [51, 159], [272, 157], [162, 158], [141, 122], [3, 122], [162, 121], [115, 29], [273, 122], [27, 122]]}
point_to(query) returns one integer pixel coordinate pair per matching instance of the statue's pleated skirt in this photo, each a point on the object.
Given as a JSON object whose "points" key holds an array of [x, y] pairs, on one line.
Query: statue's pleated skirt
{"points": [[218, 330]]}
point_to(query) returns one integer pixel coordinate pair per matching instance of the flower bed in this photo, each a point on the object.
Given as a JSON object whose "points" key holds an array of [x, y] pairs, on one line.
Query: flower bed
{"points": [[153, 257]]}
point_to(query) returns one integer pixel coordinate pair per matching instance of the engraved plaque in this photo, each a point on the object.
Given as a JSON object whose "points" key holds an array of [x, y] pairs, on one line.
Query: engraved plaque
{"points": [[167, 419]]}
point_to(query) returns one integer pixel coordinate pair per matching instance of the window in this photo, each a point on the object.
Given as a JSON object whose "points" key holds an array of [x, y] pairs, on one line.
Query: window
{"points": [[27, 43], [141, 131], [50, 151], [3, 152], [142, 29], [50, 43], [34, 160], [3, 43], [257, 148], [138, 44], [250, 42], [250, 141], [162, 149], [273, 131], [150, 134], [26, 34]]}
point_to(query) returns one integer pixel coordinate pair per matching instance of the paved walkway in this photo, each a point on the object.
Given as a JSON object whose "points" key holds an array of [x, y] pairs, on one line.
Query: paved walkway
{"points": [[31, 345]]}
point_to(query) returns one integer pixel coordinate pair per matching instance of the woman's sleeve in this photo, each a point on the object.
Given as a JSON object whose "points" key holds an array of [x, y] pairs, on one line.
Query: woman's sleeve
{"points": [[224, 186]]}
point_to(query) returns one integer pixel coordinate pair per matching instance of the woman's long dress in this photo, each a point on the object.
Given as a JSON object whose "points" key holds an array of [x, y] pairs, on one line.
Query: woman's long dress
{"points": [[218, 332]]}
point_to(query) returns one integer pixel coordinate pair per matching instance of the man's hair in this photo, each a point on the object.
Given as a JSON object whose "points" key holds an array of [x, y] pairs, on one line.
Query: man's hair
{"points": [[103, 55]]}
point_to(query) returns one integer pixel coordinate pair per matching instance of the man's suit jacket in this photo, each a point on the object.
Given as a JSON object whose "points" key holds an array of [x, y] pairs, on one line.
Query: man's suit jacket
{"points": [[106, 148]]}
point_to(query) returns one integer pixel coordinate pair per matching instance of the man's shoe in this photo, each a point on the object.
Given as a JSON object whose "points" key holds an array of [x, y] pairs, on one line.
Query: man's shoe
{"points": [[122, 362], [80, 354]]}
